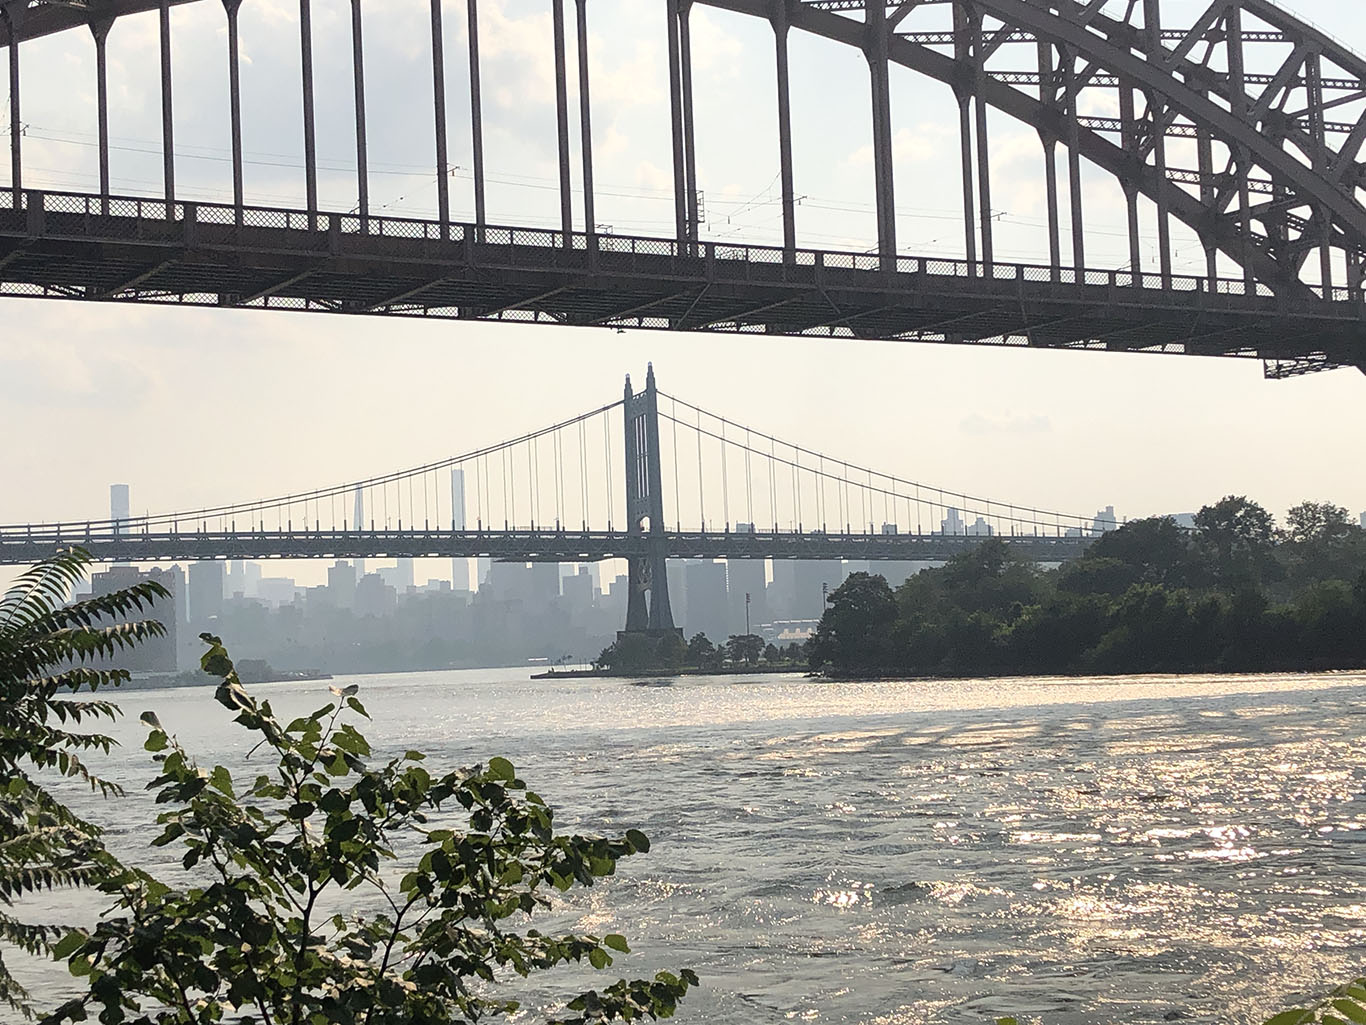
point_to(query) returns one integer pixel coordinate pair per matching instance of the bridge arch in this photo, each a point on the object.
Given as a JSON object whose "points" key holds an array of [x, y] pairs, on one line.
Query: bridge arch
{"points": [[1304, 170]]}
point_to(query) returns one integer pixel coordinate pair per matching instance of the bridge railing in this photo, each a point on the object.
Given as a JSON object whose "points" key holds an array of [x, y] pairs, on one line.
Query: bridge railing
{"points": [[61, 214]]}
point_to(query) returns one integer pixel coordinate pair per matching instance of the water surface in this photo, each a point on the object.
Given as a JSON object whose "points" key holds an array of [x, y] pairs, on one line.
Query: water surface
{"points": [[1110, 851]]}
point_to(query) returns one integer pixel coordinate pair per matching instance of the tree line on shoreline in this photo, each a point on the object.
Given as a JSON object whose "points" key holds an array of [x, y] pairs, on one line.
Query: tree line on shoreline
{"points": [[638, 653], [1235, 594]]}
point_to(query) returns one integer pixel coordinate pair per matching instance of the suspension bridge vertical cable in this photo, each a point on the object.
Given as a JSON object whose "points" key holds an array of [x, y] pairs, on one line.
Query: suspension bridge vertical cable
{"points": [[725, 479], [678, 514], [558, 491], [478, 496], [583, 471], [607, 441], [533, 467], [749, 483], [701, 491]]}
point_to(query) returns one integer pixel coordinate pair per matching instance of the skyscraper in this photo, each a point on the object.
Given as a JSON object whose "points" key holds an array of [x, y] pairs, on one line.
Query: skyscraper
{"points": [[359, 524], [341, 584], [119, 507], [206, 591], [460, 568]]}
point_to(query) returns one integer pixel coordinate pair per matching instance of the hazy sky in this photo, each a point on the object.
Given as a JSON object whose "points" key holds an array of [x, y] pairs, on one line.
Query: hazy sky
{"points": [[195, 407]]}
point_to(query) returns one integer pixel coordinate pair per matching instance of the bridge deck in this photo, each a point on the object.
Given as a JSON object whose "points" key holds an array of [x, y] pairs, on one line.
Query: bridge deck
{"points": [[75, 246], [25, 548]]}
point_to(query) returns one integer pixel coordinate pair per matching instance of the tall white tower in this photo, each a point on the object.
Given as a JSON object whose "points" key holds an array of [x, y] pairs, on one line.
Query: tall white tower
{"points": [[460, 568], [359, 524], [119, 507]]}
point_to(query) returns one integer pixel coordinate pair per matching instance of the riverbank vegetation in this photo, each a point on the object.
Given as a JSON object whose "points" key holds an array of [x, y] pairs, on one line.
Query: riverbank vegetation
{"points": [[668, 652], [1235, 594]]}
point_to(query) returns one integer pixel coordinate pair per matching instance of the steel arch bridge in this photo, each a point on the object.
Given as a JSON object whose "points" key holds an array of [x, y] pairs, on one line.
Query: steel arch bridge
{"points": [[1244, 127]]}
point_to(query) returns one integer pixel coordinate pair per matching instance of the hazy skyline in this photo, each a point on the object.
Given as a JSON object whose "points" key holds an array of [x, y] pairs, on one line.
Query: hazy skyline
{"points": [[196, 407]]}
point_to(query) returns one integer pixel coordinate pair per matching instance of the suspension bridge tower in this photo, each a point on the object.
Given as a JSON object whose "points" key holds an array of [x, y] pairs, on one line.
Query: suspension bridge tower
{"points": [[647, 610]]}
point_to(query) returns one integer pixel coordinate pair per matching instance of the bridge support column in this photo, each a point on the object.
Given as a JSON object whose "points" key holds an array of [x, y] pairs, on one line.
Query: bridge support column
{"points": [[13, 14], [689, 136], [167, 119], [645, 513], [562, 125], [586, 129], [358, 80], [443, 184], [100, 31], [235, 107], [778, 17], [676, 119], [875, 50], [310, 131], [476, 118]]}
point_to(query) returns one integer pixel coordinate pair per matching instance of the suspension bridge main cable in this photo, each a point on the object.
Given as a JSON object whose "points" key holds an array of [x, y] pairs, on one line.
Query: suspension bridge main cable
{"points": [[254, 511], [974, 504]]}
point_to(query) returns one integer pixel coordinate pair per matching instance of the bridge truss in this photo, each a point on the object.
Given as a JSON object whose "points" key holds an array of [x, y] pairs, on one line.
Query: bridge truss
{"points": [[1245, 126]]}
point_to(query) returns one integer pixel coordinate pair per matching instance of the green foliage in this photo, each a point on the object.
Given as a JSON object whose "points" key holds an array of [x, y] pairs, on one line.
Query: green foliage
{"points": [[702, 653], [1346, 1005], [855, 633], [1234, 594], [746, 648], [49, 651], [326, 829], [643, 653]]}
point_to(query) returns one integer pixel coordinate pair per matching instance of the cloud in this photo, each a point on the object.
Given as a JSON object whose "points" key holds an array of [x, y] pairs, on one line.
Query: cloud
{"points": [[1008, 423]]}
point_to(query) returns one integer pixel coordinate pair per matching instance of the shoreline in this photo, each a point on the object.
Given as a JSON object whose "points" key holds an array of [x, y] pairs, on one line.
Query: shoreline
{"points": [[655, 674]]}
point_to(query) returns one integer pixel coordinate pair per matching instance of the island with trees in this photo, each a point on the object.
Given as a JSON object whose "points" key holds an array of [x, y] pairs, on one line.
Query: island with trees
{"points": [[1236, 593]]}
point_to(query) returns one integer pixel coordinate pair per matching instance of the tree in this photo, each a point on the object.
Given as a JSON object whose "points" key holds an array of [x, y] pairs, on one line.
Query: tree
{"points": [[854, 634], [643, 653], [772, 654], [1237, 536], [746, 648], [1316, 522], [250, 936], [1320, 543], [1148, 551], [702, 652], [47, 647]]}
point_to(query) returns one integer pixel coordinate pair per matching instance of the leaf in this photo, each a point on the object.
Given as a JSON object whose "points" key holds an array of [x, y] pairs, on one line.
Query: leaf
{"points": [[599, 958], [1295, 1016], [1352, 1009], [221, 780], [68, 945], [617, 943], [501, 769], [150, 718], [638, 840], [156, 741]]}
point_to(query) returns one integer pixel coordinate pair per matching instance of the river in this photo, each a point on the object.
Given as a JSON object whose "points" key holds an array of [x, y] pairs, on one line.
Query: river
{"points": [[1120, 850]]}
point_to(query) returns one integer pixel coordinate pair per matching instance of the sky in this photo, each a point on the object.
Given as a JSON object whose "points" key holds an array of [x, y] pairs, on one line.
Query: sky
{"points": [[198, 407]]}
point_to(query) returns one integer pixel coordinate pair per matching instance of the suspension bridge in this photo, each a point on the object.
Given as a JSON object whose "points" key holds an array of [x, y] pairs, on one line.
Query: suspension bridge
{"points": [[647, 478], [1241, 129]]}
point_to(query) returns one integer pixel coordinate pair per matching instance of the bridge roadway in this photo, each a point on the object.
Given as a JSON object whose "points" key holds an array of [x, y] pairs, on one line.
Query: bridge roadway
{"points": [[77, 246], [22, 548]]}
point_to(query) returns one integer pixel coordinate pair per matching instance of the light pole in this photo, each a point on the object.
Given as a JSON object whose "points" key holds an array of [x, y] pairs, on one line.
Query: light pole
{"points": [[747, 614]]}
